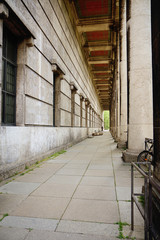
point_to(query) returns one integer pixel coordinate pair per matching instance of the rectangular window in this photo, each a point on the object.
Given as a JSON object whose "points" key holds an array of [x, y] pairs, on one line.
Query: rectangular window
{"points": [[128, 9], [9, 67]]}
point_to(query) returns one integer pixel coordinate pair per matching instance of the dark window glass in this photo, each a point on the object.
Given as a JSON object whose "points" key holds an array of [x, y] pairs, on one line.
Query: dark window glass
{"points": [[9, 78], [128, 9]]}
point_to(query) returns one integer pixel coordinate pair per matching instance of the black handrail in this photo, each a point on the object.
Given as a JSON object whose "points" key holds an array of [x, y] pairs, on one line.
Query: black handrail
{"points": [[150, 186]]}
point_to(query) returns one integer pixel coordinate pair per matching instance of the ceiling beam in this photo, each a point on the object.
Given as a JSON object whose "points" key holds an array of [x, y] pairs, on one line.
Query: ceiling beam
{"points": [[94, 27], [101, 61], [102, 71], [99, 48]]}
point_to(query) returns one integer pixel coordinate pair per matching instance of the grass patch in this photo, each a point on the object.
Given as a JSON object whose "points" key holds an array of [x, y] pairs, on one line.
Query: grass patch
{"points": [[4, 215], [120, 228], [36, 165], [22, 174], [29, 229], [57, 154], [141, 200]]}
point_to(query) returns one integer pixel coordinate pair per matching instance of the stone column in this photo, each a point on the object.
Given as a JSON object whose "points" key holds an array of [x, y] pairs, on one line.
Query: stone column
{"points": [[123, 78], [140, 122]]}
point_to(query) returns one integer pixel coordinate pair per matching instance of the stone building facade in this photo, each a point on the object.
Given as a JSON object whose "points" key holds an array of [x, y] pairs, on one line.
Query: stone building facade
{"points": [[48, 100], [63, 63]]}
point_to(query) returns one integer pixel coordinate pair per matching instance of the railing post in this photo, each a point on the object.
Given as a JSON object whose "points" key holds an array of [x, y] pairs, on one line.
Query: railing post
{"points": [[146, 208], [150, 210], [132, 203]]}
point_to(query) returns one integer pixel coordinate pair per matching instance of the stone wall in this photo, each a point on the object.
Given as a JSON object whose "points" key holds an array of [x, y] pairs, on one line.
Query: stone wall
{"points": [[51, 50], [22, 145]]}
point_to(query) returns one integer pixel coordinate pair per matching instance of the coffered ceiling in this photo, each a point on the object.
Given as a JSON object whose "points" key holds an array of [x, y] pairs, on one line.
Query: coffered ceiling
{"points": [[96, 22]]}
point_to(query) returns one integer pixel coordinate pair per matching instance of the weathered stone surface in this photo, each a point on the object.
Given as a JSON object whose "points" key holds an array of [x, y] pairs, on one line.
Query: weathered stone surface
{"points": [[7, 233], [29, 223], [108, 230]]}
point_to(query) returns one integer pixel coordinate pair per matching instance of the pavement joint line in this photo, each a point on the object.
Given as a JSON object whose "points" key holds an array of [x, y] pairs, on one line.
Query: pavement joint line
{"points": [[48, 177], [115, 187], [72, 197], [74, 193]]}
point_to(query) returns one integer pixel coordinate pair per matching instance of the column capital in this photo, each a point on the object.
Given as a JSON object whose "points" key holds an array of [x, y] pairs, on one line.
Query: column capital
{"points": [[30, 42], [81, 96], [56, 67], [87, 102], [73, 87], [4, 12]]}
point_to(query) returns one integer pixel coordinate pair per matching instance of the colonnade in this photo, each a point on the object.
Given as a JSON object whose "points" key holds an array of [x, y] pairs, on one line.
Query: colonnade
{"points": [[131, 107]]}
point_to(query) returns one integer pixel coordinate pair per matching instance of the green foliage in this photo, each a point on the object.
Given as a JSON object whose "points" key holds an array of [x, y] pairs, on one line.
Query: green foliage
{"points": [[120, 228], [36, 165], [106, 120], [121, 236], [141, 200], [4, 215], [30, 229], [57, 154]]}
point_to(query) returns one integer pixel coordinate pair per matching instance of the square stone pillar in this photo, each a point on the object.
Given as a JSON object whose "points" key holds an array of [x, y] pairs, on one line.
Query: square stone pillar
{"points": [[123, 78]]}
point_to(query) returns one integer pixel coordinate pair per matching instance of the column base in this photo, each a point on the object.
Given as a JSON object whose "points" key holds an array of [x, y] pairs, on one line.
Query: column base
{"points": [[122, 145], [129, 156]]}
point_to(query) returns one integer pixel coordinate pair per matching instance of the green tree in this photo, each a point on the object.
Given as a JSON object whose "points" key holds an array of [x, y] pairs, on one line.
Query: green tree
{"points": [[106, 120]]}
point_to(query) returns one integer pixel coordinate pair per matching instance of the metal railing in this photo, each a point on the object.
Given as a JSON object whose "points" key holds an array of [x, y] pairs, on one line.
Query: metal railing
{"points": [[150, 187]]}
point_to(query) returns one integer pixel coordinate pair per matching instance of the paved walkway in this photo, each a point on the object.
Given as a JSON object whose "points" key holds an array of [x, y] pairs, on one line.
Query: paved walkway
{"points": [[79, 195]]}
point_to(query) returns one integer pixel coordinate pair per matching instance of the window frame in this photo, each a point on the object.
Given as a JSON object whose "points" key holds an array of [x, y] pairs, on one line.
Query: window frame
{"points": [[6, 61]]}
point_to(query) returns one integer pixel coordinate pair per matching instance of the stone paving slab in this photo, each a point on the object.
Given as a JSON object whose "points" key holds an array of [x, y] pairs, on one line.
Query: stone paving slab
{"points": [[32, 223], [55, 160], [74, 165], [98, 166], [33, 177], [73, 171], [102, 161], [124, 193], [13, 233], [108, 230], [41, 207], [126, 182], [95, 192], [98, 181], [49, 169], [99, 173], [8, 202], [86, 205], [55, 190], [19, 188], [125, 213], [49, 235], [101, 155], [138, 232], [81, 160], [63, 179], [124, 174], [92, 210]]}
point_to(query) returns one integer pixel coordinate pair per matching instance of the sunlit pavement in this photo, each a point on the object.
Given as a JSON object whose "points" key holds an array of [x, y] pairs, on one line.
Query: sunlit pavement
{"points": [[80, 195]]}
